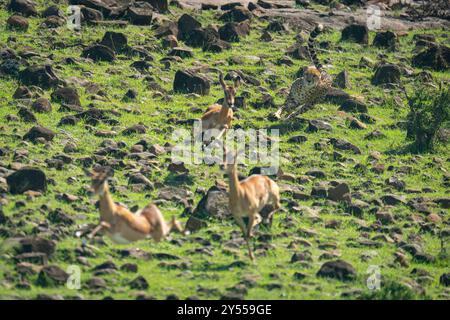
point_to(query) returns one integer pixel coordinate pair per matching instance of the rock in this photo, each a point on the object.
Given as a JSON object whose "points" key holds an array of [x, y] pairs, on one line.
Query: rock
{"points": [[386, 74], [129, 267], [67, 95], [98, 52], [161, 5], [298, 139], [91, 15], [52, 10], [36, 245], [181, 52], [50, 276], [392, 200], [39, 132], [27, 179], [338, 269], [26, 115], [17, 23], [342, 144], [237, 14], [396, 183], [384, 217], [170, 41], [166, 29], [53, 22], [22, 92], [276, 26], [444, 279], [135, 129], [319, 192], [342, 80], [58, 216], [139, 283], [116, 41], [356, 124], [341, 192], [437, 57], [443, 202], [357, 33], [232, 31], [140, 14], [186, 26], [387, 39], [353, 105], [41, 105], [194, 224], [319, 125], [302, 257], [25, 7], [96, 283], [41, 76], [187, 81]]}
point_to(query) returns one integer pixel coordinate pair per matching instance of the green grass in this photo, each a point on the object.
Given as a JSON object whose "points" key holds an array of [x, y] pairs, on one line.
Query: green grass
{"points": [[204, 271]]}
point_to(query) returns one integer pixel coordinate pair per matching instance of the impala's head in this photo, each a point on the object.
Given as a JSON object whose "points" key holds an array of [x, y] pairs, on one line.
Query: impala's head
{"points": [[311, 76], [99, 178], [229, 91]]}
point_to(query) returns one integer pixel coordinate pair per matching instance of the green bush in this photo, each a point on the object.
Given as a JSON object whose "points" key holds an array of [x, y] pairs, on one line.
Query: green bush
{"points": [[429, 111]]}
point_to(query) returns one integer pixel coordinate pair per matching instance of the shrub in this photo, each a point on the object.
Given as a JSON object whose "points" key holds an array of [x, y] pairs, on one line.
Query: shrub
{"points": [[429, 111]]}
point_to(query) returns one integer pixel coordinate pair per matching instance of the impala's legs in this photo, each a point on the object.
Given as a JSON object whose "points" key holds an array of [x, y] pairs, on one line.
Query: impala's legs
{"points": [[97, 229]]}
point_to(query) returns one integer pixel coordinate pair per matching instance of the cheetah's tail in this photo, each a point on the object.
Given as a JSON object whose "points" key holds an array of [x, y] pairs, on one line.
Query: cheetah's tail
{"points": [[311, 45]]}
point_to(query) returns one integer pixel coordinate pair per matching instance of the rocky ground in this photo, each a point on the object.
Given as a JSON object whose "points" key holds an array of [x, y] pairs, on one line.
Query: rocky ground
{"points": [[354, 197]]}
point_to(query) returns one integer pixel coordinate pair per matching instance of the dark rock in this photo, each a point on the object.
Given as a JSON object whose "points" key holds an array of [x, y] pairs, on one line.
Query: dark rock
{"points": [[27, 179], [302, 257], [22, 92], [66, 95], [386, 74], [160, 5], [96, 283], [338, 269], [41, 105], [129, 267], [50, 276], [342, 80], [187, 81], [39, 132], [137, 128], [139, 283], [352, 105], [342, 144], [53, 22], [276, 26], [437, 57], [52, 11], [357, 33], [91, 15], [98, 52], [36, 245], [341, 192], [26, 115], [167, 29], [237, 14], [17, 23], [232, 32], [387, 39], [445, 279], [181, 52], [25, 7], [41, 76], [318, 125], [392, 200], [116, 41], [140, 15], [186, 26]]}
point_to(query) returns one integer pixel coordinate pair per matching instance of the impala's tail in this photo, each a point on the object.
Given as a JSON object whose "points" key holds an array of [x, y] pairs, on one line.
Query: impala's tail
{"points": [[311, 46]]}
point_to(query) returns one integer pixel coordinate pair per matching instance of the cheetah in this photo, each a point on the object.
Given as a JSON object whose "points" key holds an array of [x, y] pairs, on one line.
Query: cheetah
{"points": [[310, 87]]}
